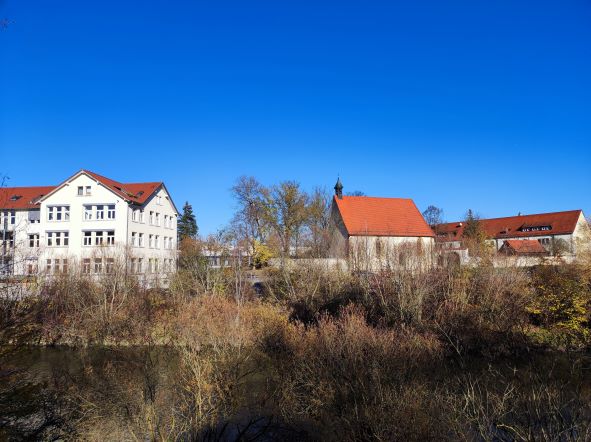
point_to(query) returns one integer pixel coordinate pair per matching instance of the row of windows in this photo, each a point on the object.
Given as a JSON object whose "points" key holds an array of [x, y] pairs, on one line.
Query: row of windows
{"points": [[102, 265], [137, 240], [91, 212], [154, 218]]}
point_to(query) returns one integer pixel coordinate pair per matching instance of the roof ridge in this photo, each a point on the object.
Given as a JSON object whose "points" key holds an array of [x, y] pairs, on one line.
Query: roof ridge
{"points": [[518, 216]]}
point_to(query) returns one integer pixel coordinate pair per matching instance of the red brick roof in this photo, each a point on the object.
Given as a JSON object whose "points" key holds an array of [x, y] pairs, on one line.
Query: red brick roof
{"points": [[370, 216], [556, 223], [20, 198], [524, 246]]}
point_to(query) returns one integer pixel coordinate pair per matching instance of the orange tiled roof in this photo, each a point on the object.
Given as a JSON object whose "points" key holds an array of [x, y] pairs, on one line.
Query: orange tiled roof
{"points": [[370, 216], [556, 223], [20, 198], [524, 246]]}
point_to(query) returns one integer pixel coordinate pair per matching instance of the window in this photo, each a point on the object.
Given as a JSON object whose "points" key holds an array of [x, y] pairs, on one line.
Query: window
{"points": [[98, 265], [58, 213], [544, 241], [7, 217], [140, 265], [111, 211], [48, 267], [34, 240], [110, 265], [100, 212], [165, 240], [132, 265], [88, 213], [133, 239], [159, 200], [140, 240], [7, 238], [87, 190], [151, 219], [64, 265], [156, 262], [86, 266], [32, 268], [135, 215], [34, 216], [166, 221], [141, 217], [157, 219], [157, 242], [150, 265], [110, 237], [87, 239], [98, 238], [151, 241], [58, 239], [80, 190]]}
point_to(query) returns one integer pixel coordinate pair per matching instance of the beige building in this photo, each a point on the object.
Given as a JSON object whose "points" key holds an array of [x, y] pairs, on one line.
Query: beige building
{"points": [[89, 223], [374, 232]]}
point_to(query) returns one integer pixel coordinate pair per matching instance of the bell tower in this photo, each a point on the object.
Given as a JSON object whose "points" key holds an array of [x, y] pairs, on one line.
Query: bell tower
{"points": [[338, 189]]}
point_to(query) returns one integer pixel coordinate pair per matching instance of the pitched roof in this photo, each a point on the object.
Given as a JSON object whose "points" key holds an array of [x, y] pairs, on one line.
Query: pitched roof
{"points": [[524, 246], [370, 216], [555, 223], [20, 198], [134, 192], [137, 193]]}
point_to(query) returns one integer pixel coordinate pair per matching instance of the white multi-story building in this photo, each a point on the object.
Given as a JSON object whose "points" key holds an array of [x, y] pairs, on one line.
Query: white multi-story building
{"points": [[89, 223]]}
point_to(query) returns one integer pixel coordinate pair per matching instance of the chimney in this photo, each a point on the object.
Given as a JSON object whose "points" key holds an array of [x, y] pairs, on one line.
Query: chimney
{"points": [[338, 189]]}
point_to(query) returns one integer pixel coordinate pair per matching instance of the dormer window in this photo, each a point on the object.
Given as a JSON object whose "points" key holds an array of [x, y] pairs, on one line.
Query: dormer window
{"points": [[15, 197], [541, 228]]}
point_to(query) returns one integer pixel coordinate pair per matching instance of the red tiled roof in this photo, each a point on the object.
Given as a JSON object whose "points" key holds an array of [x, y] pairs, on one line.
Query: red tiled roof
{"points": [[134, 192], [556, 223], [524, 246], [20, 198], [137, 193], [370, 216]]}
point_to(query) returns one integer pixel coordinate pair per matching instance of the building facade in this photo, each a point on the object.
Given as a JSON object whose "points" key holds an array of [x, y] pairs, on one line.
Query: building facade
{"points": [[88, 223], [559, 234]]}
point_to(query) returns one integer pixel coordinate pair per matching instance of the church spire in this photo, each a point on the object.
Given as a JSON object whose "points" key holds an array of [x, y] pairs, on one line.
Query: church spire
{"points": [[338, 189]]}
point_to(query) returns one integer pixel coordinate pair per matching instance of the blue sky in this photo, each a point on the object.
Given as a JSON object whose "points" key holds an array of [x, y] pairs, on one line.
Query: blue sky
{"points": [[462, 104]]}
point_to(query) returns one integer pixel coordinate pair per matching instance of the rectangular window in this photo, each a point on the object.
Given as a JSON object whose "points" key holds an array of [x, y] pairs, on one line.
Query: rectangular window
{"points": [[132, 265], [151, 241], [140, 265], [64, 266], [151, 219], [58, 213], [98, 265], [156, 265], [133, 239], [87, 239], [87, 190], [100, 212], [88, 213], [48, 267], [111, 211], [141, 217], [110, 265], [140, 240], [86, 266], [80, 190], [98, 238], [157, 219], [32, 268], [110, 237], [157, 242], [165, 221], [34, 240], [134, 215]]}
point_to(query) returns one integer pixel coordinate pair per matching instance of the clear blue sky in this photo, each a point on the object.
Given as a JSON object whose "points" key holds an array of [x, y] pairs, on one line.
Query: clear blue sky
{"points": [[462, 104]]}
